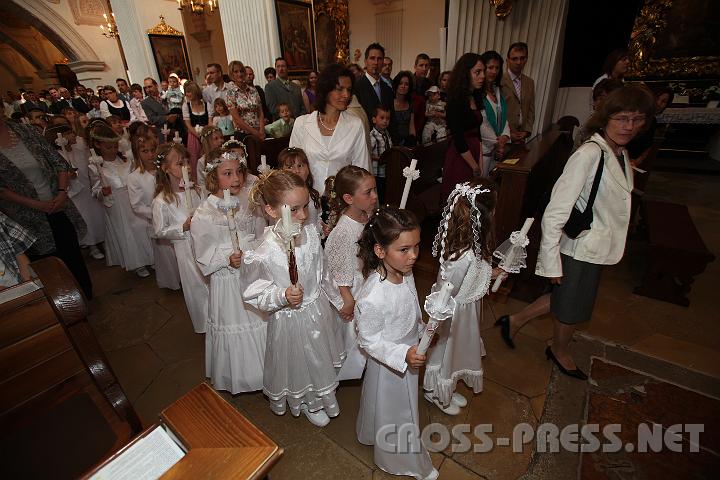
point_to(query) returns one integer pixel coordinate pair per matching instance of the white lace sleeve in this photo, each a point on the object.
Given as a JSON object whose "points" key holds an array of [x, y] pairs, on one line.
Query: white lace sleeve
{"points": [[263, 293], [210, 254], [162, 219], [454, 271], [341, 249], [370, 324]]}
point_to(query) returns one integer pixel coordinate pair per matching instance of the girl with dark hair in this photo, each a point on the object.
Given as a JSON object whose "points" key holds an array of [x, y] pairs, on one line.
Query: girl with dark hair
{"points": [[330, 136], [403, 116], [389, 325], [464, 158], [495, 130], [295, 160]]}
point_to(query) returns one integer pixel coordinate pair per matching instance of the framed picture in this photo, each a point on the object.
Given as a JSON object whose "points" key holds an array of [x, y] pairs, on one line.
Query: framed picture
{"points": [[331, 32], [297, 35], [676, 40], [170, 53]]}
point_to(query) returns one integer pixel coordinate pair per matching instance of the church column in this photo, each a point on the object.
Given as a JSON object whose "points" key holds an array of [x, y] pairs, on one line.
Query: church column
{"points": [[134, 41], [251, 34]]}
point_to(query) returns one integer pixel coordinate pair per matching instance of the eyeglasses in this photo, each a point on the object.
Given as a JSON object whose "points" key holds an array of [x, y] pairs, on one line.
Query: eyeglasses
{"points": [[627, 120]]}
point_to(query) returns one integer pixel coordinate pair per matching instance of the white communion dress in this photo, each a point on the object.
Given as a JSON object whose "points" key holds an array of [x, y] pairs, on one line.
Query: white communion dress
{"points": [[389, 323], [141, 191], [459, 349], [127, 242], [303, 345], [344, 270], [236, 333], [168, 219], [80, 192]]}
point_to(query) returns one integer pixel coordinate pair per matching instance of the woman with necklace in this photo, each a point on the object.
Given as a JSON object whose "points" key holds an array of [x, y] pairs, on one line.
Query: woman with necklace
{"points": [[495, 130], [244, 103], [330, 137]]}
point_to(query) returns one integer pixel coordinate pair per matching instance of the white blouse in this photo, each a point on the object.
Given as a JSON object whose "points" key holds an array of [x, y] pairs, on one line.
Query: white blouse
{"points": [[327, 155], [141, 190], [168, 218]]}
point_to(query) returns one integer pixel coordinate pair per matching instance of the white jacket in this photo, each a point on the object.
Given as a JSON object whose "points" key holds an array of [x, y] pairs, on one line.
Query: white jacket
{"points": [[347, 146], [604, 243]]}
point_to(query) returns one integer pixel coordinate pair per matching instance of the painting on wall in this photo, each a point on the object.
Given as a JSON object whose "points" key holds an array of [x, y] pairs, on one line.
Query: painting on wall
{"points": [[169, 51], [297, 35], [331, 30]]}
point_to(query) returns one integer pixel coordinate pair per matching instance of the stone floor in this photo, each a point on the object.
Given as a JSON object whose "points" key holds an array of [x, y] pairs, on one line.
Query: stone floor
{"points": [[148, 338]]}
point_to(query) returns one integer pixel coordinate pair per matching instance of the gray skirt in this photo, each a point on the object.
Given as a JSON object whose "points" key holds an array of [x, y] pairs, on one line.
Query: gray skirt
{"points": [[573, 300]]}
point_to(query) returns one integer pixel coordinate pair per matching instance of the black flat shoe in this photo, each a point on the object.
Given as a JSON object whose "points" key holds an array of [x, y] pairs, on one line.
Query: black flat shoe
{"points": [[577, 373], [504, 323]]}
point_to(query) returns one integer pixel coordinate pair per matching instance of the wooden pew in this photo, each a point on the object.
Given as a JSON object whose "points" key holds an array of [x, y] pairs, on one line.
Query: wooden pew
{"points": [[271, 148], [61, 406], [676, 253]]}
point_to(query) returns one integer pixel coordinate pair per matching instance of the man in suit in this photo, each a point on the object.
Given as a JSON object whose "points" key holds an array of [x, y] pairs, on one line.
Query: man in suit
{"points": [[32, 102], [61, 100], [369, 89], [123, 90], [282, 90], [519, 92], [79, 101]]}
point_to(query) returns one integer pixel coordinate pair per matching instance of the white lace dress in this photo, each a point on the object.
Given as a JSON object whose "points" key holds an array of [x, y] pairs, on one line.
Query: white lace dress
{"points": [[236, 333], [168, 220], [345, 271], [303, 344], [127, 242], [459, 349], [141, 191], [389, 323], [80, 192]]}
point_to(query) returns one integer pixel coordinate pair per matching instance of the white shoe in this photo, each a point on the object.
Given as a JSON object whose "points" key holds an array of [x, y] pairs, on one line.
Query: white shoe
{"points": [[458, 400], [433, 475], [451, 409], [96, 253], [142, 272], [319, 418]]}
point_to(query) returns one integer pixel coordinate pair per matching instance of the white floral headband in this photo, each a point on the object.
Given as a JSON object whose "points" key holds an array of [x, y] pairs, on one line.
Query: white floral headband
{"points": [[225, 157], [469, 192]]}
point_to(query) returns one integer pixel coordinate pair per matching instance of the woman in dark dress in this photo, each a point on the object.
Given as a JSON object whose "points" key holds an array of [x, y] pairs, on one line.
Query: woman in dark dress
{"points": [[464, 158], [403, 120]]}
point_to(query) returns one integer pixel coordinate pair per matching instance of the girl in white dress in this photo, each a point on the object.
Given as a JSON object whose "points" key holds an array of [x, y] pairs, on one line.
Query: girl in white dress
{"points": [[210, 138], [141, 190], [172, 211], [463, 244], [79, 189], [389, 325], [126, 239], [235, 333], [303, 344], [295, 160], [353, 198]]}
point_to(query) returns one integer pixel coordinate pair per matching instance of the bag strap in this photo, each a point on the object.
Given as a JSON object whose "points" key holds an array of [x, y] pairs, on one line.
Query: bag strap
{"points": [[596, 180]]}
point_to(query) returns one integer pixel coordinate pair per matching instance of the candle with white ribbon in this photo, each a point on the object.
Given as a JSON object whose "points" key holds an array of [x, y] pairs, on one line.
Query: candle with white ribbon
{"points": [[165, 131], [60, 141], [198, 129], [512, 254], [263, 167], [187, 185], [433, 323], [177, 138], [286, 217], [410, 173], [232, 138]]}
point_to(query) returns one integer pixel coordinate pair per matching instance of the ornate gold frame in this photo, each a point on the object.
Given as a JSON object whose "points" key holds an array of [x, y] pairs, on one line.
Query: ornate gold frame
{"points": [[163, 28], [337, 10], [653, 18]]}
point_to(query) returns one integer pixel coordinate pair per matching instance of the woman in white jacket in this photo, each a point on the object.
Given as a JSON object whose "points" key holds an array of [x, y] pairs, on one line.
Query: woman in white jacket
{"points": [[573, 265], [330, 137]]}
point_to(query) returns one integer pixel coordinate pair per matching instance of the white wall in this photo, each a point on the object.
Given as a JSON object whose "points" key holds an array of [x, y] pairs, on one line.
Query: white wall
{"points": [[421, 22]]}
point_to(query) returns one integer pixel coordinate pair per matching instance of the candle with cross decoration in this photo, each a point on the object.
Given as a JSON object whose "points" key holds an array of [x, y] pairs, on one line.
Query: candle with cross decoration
{"points": [[410, 173]]}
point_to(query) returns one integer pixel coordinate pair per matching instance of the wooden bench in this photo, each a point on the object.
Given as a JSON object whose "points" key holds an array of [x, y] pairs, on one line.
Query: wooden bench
{"points": [[271, 148], [61, 407], [676, 253]]}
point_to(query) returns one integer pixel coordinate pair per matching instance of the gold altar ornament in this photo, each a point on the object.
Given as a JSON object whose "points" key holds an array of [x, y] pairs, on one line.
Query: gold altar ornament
{"points": [[502, 8], [163, 28]]}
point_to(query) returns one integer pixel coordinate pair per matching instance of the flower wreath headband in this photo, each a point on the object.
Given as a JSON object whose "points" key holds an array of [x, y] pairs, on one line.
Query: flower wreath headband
{"points": [[208, 132], [100, 138], [226, 157], [461, 190]]}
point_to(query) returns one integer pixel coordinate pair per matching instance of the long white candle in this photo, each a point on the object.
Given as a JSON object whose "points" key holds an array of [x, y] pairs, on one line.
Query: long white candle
{"points": [[408, 183], [186, 187], [286, 217], [231, 221], [510, 258], [263, 160]]}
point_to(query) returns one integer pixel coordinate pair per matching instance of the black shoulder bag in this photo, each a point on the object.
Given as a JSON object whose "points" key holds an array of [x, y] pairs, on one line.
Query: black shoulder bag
{"points": [[581, 221]]}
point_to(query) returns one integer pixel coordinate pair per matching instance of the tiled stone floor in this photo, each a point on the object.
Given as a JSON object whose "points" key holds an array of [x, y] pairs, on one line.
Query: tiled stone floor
{"points": [[149, 341]]}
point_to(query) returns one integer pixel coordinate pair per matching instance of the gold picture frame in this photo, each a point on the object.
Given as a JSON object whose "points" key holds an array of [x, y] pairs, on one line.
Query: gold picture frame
{"points": [[169, 51], [332, 32], [665, 28]]}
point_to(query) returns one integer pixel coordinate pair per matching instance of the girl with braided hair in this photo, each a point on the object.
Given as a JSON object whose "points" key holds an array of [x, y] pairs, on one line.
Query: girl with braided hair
{"points": [[389, 325], [464, 246]]}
